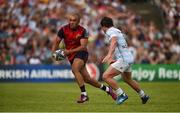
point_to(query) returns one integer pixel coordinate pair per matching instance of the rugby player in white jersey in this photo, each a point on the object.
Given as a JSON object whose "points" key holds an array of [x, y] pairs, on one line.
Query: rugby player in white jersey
{"points": [[120, 59]]}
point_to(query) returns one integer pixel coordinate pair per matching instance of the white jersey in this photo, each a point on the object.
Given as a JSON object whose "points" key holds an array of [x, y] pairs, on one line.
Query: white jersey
{"points": [[121, 51]]}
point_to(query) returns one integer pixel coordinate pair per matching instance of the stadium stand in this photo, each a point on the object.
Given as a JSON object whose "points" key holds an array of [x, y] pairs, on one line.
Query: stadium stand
{"points": [[28, 28]]}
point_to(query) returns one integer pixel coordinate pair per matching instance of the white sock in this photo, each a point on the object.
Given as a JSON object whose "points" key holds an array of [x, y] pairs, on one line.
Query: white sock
{"points": [[119, 91], [141, 93], [101, 86], [84, 93], [107, 88]]}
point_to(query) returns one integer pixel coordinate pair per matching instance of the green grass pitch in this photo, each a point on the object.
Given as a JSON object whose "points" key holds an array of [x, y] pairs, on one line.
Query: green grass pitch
{"points": [[61, 97]]}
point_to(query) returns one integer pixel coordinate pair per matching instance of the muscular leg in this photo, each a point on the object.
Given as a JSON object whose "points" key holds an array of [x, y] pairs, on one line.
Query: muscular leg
{"points": [[96, 84], [76, 67], [108, 77], [88, 79], [127, 78]]}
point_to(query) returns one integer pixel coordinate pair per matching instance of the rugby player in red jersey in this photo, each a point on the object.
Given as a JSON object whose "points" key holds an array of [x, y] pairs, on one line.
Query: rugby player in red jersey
{"points": [[76, 39]]}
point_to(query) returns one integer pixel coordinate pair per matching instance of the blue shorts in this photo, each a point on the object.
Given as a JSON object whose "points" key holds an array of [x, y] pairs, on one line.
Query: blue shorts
{"points": [[83, 55]]}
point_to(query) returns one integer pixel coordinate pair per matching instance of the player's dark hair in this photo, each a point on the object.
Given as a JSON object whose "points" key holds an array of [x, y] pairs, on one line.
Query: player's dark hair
{"points": [[106, 22]]}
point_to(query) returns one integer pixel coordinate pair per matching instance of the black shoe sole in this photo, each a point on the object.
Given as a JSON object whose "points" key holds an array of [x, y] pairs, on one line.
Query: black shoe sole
{"points": [[144, 100]]}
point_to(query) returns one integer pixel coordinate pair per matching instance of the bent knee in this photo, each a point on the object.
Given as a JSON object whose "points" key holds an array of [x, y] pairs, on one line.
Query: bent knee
{"points": [[105, 77], [75, 71], [87, 80]]}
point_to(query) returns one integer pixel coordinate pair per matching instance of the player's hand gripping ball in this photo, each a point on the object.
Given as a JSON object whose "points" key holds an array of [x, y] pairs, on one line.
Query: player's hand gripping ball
{"points": [[58, 55]]}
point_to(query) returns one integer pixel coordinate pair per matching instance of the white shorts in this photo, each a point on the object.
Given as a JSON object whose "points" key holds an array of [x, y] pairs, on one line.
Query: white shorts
{"points": [[121, 66]]}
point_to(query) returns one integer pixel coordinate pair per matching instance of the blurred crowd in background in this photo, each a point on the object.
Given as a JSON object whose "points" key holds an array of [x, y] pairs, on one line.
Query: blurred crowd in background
{"points": [[28, 28]]}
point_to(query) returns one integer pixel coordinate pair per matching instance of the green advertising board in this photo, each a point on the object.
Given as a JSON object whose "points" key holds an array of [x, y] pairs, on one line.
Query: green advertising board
{"points": [[160, 72]]}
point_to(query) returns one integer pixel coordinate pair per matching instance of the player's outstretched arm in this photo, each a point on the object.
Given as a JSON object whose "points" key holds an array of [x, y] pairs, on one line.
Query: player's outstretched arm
{"points": [[57, 53], [55, 45], [112, 46], [109, 57]]}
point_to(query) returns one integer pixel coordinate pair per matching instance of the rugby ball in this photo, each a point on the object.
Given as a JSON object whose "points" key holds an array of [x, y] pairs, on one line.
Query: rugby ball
{"points": [[58, 55]]}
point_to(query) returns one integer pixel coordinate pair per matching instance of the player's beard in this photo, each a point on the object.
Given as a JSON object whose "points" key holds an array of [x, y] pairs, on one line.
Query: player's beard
{"points": [[73, 26]]}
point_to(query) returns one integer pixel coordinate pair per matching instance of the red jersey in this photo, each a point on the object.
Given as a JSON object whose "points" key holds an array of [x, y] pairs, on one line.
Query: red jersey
{"points": [[72, 37]]}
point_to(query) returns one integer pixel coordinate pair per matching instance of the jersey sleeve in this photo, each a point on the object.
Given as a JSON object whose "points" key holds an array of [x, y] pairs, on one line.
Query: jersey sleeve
{"points": [[111, 34], [60, 33], [85, 34]]}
